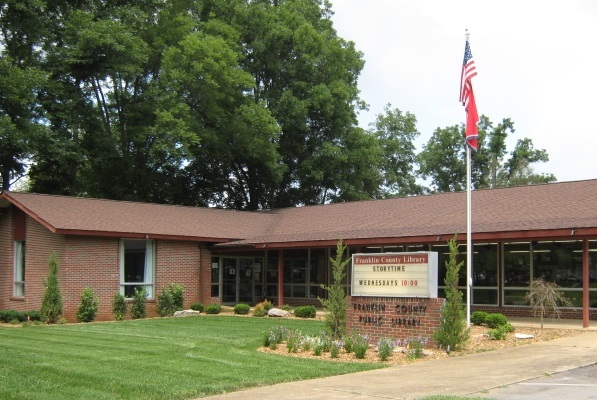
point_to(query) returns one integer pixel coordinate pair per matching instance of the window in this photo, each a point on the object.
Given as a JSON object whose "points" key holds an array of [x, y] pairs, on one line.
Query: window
{"points": [[19, 270], [136, 266], [215, 277]]}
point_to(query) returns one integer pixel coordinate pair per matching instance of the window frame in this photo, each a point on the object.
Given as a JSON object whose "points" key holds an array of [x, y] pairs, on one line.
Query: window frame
{"points": [[19, 268], [149, 274]]}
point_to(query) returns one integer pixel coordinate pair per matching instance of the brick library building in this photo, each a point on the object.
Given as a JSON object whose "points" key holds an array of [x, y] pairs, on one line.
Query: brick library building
{"points": [[224, 256]]}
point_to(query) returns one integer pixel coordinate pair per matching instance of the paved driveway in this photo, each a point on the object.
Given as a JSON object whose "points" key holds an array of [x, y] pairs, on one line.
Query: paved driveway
{"points": [[575, 384]]}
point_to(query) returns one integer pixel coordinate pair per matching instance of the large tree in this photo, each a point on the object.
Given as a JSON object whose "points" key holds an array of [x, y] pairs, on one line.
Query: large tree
{"points": [[307, 77], [229, 103]]}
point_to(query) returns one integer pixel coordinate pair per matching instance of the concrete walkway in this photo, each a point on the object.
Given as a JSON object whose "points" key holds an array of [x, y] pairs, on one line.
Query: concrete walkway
{"points": [[461, 375]]}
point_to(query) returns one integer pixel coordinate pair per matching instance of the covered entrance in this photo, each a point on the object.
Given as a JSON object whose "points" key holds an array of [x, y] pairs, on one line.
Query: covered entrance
{"points": [[238, 280]]}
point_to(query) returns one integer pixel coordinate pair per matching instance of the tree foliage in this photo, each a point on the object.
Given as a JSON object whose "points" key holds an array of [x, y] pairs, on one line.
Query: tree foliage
{"points": [[229, 103], [442, 160], [545, 297], [453, 332], [335, 303], [51, 303], [88, 306]]}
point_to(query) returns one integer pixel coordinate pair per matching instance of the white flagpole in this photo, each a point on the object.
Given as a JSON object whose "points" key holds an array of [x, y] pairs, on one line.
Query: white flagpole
{"points": [[469, 249]]}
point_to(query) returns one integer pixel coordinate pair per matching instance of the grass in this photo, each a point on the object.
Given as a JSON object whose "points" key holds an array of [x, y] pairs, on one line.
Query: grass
{"points": [[167, 358]]}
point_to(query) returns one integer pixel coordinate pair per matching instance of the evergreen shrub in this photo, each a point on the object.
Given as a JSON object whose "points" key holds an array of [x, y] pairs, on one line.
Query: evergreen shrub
{"points": [[197, 307], [139, 306], [88, 307], [242, 309], [452, 333], [170, 300], [51, 303], [305, 312], [478, 317], [495, 320], [119, 307], [214, 308]]}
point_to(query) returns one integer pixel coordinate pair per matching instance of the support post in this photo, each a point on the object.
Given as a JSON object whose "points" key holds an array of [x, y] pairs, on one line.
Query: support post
{"points": [[585, 283], [280, 278]]}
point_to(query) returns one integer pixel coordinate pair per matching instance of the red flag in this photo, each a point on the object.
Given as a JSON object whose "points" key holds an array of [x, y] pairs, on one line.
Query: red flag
{"points": [[467, 97]]}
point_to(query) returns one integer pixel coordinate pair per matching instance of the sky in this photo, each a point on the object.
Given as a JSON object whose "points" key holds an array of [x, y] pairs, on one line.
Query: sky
{"points": [[536, 64]]}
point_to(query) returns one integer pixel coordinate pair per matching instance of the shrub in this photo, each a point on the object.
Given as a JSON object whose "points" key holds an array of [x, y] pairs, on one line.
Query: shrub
{"points": [[385, 347], [33, 315], [242, 309], [139, 306], [51, 303], [293, 341], [360, 345], [335, 347], [119, 306], [170, 300], [177, 291], [198, 307], [495, 320], [349, 342], [499, 333], [261, 309], [414, 348], [478, 317], [165, 305], [286, 307], [214, 308], [88, 307], [323, 344], [305, 312], [12, 315]]}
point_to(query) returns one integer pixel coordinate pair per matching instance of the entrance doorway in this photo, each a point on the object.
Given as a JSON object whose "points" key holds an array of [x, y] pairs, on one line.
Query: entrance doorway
{"points": [[238, 280]]}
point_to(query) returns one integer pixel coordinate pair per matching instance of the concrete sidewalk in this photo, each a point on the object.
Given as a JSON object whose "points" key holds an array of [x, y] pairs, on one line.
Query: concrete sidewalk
{"points": [[459, 375]]}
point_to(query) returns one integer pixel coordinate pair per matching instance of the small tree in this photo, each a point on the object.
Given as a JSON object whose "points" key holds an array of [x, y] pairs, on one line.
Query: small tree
{"points": [[51, 303], [335, 304], [545, 297], [88, 307], [139, 307], [452, 332], [119, 306]]}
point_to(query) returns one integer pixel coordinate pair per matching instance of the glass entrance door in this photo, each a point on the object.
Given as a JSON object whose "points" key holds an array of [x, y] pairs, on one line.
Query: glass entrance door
{"points": [[229, 287], [245, 280], [237, 280]]}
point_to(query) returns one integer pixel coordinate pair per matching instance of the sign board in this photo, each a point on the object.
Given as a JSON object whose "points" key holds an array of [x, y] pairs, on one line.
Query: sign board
{"points": [[395, 274]]}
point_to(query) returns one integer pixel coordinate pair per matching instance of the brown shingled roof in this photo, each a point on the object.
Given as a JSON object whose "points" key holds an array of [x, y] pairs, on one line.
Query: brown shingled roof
{"points": [[554, 209], [77, 215]]}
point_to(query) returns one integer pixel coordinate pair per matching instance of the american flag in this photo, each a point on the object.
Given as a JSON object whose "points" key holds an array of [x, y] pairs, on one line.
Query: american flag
{"points": [[467, 97]]}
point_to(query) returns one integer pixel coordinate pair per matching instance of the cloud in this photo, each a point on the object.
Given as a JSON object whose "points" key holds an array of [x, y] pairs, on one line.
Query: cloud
{"points": [[536, 63]]}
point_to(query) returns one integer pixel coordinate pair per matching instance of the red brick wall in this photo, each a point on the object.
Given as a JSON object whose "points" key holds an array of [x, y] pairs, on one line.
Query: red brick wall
{"points": [[89, 262], [178, 262], [6, 257], [94, 262], [205, 279], [565, 313], [40, 244], [393, 317]]}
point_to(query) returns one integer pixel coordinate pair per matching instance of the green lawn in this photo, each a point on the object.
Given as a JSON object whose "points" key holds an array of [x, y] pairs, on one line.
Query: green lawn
{"points": [[168, 358]]}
